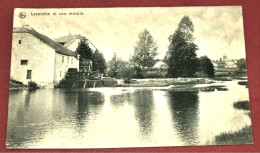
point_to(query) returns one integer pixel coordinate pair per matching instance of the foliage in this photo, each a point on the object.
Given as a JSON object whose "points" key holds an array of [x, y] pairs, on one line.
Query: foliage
{"points": [[139, 73], [84, 50], [145, 51], [115, 65], [244, 136], [16, 82], [206, 67], [98, 62], [244, 105], [154, 74], [127, 71], [33, 85], [241, 65], [181, 56]]}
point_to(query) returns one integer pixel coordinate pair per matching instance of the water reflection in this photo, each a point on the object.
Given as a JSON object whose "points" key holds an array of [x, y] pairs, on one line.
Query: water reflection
{"points": [[89, 104], [22, 129], [184, 108], [121, 117], [142, 102]]}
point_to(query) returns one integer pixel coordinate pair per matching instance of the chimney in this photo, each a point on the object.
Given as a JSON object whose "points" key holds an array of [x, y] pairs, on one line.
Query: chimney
{"points": [[27, 27]]}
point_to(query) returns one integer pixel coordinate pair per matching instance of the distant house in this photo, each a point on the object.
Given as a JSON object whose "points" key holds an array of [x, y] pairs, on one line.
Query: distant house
{"points": [[37, 58], [71, 42], [225, 66]]}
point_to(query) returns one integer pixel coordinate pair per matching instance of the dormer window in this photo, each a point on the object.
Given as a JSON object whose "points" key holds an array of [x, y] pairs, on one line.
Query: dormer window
{"points": [[62, 43], [20, 41]]}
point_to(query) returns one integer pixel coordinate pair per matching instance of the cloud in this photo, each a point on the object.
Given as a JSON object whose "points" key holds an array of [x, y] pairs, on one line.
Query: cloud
{"points": [[218, 30]]}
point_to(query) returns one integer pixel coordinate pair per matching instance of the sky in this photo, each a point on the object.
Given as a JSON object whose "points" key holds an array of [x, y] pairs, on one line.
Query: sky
{"points": [[217, 30]]}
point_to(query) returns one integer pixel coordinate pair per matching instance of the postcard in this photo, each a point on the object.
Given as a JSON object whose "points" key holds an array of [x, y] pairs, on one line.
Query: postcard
{"points": [[128, 77]]}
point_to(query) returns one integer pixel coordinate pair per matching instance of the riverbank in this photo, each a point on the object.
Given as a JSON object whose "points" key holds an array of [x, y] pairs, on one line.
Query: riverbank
{"points": [[179, 83], [243, 136], [164, 82], [16, 85]]}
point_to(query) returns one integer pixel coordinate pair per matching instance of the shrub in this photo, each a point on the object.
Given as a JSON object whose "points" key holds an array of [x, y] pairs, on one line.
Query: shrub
{"points": [[244, 105], [17, 82], [154, 74], [242, 83], [33, 85]]}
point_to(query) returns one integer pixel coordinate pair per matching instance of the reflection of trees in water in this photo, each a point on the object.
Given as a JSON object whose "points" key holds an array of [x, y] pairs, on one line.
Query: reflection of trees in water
{"points": [[89, 104], [119, 100], [142, 100], [184, 107], [143, 104]]}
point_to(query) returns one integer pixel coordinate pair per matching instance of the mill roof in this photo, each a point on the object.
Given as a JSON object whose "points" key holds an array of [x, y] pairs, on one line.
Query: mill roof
{"points": [[56, 46], [67, 40]]}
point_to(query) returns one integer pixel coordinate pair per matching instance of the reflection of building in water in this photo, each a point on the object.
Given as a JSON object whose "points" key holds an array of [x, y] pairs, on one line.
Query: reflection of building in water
{"points": [[37, 58], [184, 107], [22, 128]]}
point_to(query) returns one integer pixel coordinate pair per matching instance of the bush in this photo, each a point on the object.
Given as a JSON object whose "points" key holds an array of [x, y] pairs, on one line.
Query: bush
{"points": [[33, 85], [17, 82], [244, 105], [206, 68], [243, 83], [154, 74]]}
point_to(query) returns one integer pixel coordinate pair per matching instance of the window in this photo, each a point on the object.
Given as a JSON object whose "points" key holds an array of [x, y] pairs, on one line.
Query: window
{"points": [[24, 62], [62, 43], [62, 59], [68, 59], [20, 41], [71, 60], [29, 74]]}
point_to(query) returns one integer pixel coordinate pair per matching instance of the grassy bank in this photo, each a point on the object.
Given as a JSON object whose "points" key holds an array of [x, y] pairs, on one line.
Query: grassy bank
{"points": [[244, 105], [17, 85], [244, 136], [166, 82]]}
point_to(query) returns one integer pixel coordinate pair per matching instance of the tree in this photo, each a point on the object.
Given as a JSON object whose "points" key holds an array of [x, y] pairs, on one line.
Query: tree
{"points": [[145, 51], [181, 56], [98, 62], [115, 65], [206, 67], [241, 65], [127, 72], [84, 50]]}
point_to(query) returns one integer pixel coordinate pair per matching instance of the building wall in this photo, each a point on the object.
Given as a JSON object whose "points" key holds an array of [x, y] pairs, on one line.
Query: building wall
{"points": [[40, 59], [62, 64]]}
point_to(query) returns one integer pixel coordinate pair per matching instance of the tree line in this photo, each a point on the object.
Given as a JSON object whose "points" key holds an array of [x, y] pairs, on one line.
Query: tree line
{"points": [[181, 58]]}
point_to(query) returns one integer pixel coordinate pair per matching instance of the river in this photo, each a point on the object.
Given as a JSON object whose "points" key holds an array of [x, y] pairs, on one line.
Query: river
{"points": [[122, 117]]}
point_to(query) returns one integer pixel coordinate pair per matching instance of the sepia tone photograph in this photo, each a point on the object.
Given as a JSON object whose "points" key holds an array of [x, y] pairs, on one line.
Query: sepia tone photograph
{"points": [[128, 77]]}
